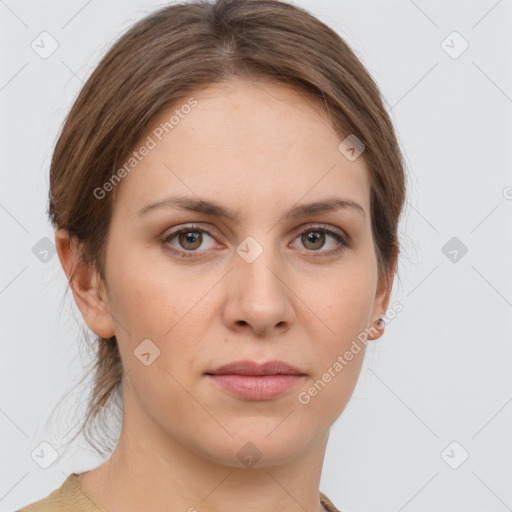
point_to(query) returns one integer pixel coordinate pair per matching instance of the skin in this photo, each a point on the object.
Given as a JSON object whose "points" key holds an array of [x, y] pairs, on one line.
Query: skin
{"points": [[245, 145]]}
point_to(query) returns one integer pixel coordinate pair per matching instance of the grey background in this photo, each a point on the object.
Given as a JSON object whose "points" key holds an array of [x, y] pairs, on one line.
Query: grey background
{"points": [[441, 372]]}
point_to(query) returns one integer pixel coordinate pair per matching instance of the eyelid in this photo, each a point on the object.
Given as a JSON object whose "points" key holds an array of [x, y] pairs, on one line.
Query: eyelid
{"points": [[319, 225], [210, 230]]}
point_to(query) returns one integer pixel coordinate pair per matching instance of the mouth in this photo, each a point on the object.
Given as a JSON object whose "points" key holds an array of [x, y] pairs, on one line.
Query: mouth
{"points": [[253, 381], [252, 368]]}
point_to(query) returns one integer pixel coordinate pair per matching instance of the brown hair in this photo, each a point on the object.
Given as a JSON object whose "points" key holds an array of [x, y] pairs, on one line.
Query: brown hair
{"points": [[175, 51]]}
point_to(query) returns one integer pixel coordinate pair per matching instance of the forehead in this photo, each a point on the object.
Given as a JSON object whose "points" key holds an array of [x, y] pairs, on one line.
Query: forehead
{"points": [[244, 141]]}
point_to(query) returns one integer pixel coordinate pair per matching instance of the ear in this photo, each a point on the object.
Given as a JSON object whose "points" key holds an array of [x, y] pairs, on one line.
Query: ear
{"points": [[85, 284], [381, 302]]}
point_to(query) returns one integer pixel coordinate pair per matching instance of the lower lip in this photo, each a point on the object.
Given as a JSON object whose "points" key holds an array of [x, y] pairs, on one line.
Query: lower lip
{"points": [[252, 387]]}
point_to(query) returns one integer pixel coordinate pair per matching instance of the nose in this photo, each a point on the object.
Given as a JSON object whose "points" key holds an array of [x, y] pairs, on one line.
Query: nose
{"points": [[258, 298]]}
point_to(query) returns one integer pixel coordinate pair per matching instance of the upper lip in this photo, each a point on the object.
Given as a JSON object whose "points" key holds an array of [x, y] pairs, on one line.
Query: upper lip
{"points": [[246, 367]]}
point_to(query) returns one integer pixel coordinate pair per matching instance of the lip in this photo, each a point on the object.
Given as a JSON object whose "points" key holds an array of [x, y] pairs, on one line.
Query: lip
{"points": [[254, 387], [246, 367], [255, 381]]}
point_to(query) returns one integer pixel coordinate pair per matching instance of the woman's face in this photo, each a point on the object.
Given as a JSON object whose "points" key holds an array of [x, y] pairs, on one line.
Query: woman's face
{"points": [[249, 286]]}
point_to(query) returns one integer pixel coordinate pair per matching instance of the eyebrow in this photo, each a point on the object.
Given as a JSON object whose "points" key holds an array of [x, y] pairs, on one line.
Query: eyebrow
{"points": [[211, 208]]}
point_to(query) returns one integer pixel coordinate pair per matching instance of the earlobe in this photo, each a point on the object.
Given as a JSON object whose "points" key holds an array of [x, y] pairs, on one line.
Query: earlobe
{"points": [[85, 284], [380, 306], [376, 330]]}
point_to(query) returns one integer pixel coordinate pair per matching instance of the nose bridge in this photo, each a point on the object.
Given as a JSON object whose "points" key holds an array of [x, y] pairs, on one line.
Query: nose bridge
{"points": [[257, 294], [257, 264]]}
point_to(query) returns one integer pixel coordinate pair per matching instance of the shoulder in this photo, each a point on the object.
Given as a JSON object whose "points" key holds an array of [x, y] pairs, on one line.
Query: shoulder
{"points": [[328, 504], [69, 496], [52, 503]]}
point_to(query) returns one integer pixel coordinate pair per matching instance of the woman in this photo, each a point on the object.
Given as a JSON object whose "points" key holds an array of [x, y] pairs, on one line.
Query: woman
{"points": [[225, 191]]}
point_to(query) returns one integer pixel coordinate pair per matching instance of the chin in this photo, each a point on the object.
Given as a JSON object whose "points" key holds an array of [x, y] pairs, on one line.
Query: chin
{"points": [[256, 447]]}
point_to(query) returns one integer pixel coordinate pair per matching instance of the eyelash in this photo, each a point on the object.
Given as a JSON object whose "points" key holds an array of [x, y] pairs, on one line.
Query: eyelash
{"points": [[318, 228]]}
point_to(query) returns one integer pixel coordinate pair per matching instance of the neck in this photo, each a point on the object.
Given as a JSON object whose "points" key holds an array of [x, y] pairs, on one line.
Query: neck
{"points": [[150, 470]]}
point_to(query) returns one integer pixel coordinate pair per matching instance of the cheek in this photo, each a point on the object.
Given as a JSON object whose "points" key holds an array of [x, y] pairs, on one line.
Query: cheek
{"points": [[337, 341], [147, 297], [339, 356], [343, 305], [162, 394], [157, 305], [329, 392]]}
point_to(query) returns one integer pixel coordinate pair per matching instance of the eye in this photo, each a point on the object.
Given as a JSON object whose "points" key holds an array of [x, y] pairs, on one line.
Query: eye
{"points": [[189, 239], [314, 238]]}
